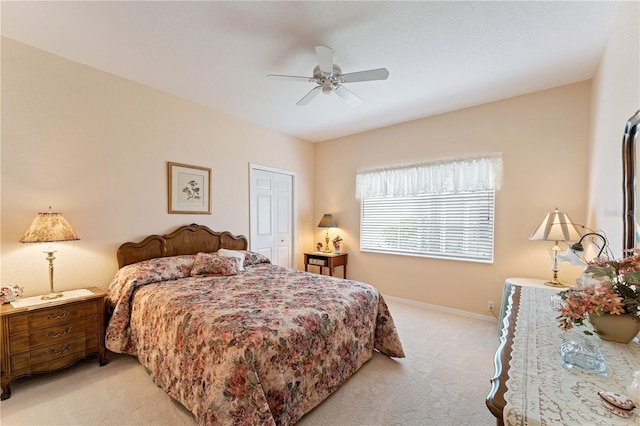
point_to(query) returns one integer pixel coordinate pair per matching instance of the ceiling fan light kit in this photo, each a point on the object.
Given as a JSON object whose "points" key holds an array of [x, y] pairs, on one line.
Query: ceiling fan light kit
{"points": [[329, 78]]}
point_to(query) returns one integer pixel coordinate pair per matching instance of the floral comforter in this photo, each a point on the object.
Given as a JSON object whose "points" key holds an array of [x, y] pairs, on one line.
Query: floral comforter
{"points": [[262, 346]]}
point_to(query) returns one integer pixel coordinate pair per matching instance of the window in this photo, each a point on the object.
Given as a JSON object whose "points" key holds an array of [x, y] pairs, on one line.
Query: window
{"points": [[456, 226], [442, 210]]}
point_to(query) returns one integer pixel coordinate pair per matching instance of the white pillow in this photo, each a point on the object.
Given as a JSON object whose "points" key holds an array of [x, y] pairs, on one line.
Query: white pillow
{"points": [[236, 254]]}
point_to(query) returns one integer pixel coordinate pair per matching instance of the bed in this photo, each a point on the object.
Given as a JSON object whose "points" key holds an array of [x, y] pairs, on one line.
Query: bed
{"points": [[234, 338]]}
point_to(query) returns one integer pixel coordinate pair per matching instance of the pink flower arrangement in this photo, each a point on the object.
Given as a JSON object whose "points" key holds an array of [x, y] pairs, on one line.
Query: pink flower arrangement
{"points": [[336, 242], [617, 292], [579, 303], [9, 293]]}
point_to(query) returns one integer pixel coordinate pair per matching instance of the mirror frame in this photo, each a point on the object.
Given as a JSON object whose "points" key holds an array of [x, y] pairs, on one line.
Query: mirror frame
{"points": [[629, 182]]}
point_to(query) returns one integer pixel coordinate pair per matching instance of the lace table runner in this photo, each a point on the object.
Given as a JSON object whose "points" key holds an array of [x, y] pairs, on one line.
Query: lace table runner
{"points": [[37, 300], [540, 391]]}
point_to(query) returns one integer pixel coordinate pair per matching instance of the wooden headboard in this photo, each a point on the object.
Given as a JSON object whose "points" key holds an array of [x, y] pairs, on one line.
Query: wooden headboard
{"points": [[188, 239]]}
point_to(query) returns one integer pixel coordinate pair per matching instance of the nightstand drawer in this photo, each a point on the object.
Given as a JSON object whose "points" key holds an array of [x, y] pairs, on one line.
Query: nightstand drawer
{"points": [[50, 335], [52, 316], [63, 314], [55, 356], [317, 262]]}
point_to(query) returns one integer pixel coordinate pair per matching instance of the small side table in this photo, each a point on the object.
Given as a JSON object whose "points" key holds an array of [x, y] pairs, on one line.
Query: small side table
{"points": [[330, 260]]}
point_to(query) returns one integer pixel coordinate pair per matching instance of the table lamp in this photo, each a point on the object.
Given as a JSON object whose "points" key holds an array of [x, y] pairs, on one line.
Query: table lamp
{"points": [[555, 226], [327, 221], [48, 228]]}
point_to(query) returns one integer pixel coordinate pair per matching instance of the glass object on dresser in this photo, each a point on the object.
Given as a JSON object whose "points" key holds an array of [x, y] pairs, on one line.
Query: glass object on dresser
{"points": [[582, 355]]}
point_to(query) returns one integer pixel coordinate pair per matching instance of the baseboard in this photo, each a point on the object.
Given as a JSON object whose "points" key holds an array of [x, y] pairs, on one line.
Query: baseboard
{"points": [[441, 308]]}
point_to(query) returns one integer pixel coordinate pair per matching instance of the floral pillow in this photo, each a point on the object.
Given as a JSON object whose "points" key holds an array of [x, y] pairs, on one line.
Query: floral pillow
{"points": [[212, 264], [253, 258], [158, 269], [149, 271], [235, 254]]}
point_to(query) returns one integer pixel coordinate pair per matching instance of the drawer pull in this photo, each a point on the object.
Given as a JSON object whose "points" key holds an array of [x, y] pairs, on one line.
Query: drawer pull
{"points": [[52, 334], [62, 315], [61, 351]]}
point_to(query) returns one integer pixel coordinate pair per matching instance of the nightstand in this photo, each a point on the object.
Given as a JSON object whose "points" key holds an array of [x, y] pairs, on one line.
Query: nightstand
{"points": [[329, 260], [50, 337]]}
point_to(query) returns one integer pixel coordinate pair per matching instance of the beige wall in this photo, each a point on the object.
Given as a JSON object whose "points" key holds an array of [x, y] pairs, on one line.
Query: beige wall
{"points": [[561, 147], [544, 140], [615, 98], [95, 147]]}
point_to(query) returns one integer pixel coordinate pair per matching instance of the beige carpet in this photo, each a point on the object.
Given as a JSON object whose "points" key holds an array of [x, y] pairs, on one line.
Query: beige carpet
{"points": [[443, 381]]}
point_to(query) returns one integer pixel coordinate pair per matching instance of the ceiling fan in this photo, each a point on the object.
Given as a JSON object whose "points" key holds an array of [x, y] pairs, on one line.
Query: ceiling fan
{"points": [[329, 78]]}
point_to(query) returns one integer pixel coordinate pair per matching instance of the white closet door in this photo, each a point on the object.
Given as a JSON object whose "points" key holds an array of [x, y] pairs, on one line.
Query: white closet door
{"points": [[271, 215]]}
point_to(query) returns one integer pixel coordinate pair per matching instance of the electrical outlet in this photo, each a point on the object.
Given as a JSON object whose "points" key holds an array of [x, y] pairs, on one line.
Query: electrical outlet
{"points": [[491, 305]]}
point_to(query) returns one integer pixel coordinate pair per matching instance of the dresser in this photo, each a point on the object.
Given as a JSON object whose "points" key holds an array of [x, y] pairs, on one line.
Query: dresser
{"points": [[511, 283], [51, 336], [531, 386]]}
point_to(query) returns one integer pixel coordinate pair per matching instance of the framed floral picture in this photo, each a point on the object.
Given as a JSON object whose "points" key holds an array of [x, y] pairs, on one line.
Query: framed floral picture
{"points": [[189, 189]]}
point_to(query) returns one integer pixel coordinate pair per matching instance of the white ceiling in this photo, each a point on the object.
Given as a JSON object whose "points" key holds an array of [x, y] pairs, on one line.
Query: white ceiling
{"points": [[441, 56]]}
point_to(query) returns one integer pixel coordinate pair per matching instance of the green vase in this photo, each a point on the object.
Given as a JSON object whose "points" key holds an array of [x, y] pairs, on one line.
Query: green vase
{"points": [[617, 328]]}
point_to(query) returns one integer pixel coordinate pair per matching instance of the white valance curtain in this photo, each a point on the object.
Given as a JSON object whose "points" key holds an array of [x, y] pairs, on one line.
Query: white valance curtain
{"points": [[466, 174]]}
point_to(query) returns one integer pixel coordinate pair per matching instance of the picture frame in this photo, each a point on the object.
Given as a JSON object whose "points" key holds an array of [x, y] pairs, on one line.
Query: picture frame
{"points": [[189, 189]]}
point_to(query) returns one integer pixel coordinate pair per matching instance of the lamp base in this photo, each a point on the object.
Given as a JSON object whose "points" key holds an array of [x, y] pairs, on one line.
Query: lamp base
{"points": [[327, 250], [555, 283], [51, 296]]}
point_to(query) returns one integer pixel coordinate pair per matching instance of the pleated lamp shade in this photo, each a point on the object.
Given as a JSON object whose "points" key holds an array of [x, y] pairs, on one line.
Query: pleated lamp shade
{"points": [[327, 221], [47, 228], [556, 226]]}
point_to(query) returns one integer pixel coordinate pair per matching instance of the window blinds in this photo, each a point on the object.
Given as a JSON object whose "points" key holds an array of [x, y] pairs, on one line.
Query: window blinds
{"points": [[440, 209]]}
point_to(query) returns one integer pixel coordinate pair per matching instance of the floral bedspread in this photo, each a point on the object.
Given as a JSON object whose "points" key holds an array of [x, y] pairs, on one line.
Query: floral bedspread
{"points": [[261, 347]]}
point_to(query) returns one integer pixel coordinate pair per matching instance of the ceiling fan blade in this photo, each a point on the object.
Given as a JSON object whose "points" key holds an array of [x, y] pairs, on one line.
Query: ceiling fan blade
{"points": [[290, 77], [309, 96], [348, 96], [377, 74], [325, 59]]}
